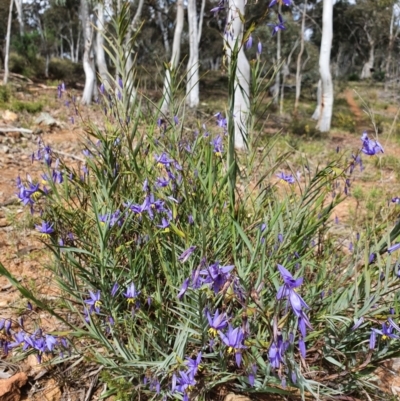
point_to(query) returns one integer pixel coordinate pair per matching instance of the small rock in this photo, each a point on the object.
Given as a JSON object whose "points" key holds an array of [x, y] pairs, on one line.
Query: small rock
{"points": [[5, 149], [51, 391], [4, 223], [10, 116], [10, 389]]}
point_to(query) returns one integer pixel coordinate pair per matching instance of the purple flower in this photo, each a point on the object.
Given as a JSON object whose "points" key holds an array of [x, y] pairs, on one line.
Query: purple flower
{"points": [[183, 288], [45, 229], [131, 293], [393, 248], [284, 2], [183, 384], [249, 42], [302, 348], [289, 281], [288, 178], [358, 323], [233, 339], [218, 146], [370, 147], [218, 322], [94, 301], [259, 47], [186, 254], [275, 354], [280, 26], [396, 200], [163, 160], [216, 275], [193, 365], [252, 374], [114, 289]]}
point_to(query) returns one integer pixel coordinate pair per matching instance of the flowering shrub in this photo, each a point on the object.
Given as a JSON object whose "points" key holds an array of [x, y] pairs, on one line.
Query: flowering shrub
{"points": [[180, 287]]}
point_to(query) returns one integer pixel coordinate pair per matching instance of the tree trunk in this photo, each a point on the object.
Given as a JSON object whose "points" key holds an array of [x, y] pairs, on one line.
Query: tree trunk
{"points": [[100, 54], [175, 56], [129, 73], [300, 55], [278, 60], [326, 102], [200, 27], [369, 65], [164, 30], [20, 16], [87, 54], [192, 84], [77, 45], [390, 50], [8, 37], [242, 79]]}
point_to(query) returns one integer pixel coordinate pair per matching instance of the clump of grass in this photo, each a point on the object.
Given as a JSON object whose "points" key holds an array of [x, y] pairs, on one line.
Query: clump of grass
{"points": [[29, 107]]}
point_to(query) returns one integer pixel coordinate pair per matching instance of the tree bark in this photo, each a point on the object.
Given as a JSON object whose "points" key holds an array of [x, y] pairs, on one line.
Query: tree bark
{"points": [[278, 60], [201, 17], [300, 55], [192, 84], [87, 54], [100, 54], [326, 102], [164, 31], [20, 16], [390, 49], [175, 56], [8, 37], [369, 65], [234, 36]]}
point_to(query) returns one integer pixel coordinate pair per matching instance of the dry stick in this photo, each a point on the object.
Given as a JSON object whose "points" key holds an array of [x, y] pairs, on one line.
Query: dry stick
{"points": [[15, 129]]}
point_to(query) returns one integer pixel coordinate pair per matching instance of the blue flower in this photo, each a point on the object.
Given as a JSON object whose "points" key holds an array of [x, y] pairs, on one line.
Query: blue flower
{"points": [[218, 322], [131, 293], [280, 26], [193, 365], [94, 301], [46, 229], [370, 147], [233, 339], [288, 178], [186, 254], [216, 275]]}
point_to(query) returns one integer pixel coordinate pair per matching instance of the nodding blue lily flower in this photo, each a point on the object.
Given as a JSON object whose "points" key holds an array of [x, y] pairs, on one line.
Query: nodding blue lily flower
{"points": [[259, 47], [114, 289], [186, 254], [218, 322], [183, 384], [45, 229], [287, 178], [393, 248], [249, 42], [218, 146], [275, 353], [131, 293], [358, 323], [396, 200], [252, 374], [193, 365], [163, 160], [280, 26], [216, 275], [94, 301], [233, 339], [386, 333], [370, 147]]}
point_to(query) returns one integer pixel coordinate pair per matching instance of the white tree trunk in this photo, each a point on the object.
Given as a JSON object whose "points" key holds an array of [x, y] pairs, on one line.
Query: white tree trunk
{"points": [[8, 37], [300, 55], [192, 84], [326, 101], [87, 54], [20, 16], [369, 65], [164, 30], [129, 72], [278, 61], [390, 49], [100, 54], [175, 56], [242, 79], [201, 17], [78, 40]]}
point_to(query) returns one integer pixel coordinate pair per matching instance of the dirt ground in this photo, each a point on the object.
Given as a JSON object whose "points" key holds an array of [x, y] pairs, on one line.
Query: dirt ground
{"points": [[24, 255]]}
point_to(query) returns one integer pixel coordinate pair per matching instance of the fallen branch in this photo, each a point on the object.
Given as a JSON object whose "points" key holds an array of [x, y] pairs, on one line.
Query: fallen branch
{"points": [[15, 129]]}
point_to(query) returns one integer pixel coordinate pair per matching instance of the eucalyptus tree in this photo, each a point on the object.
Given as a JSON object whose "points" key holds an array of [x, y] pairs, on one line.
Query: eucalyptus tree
{"points": [[241, 91], [192, 84], [323, 112], [100, 53], [175, 56]]}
